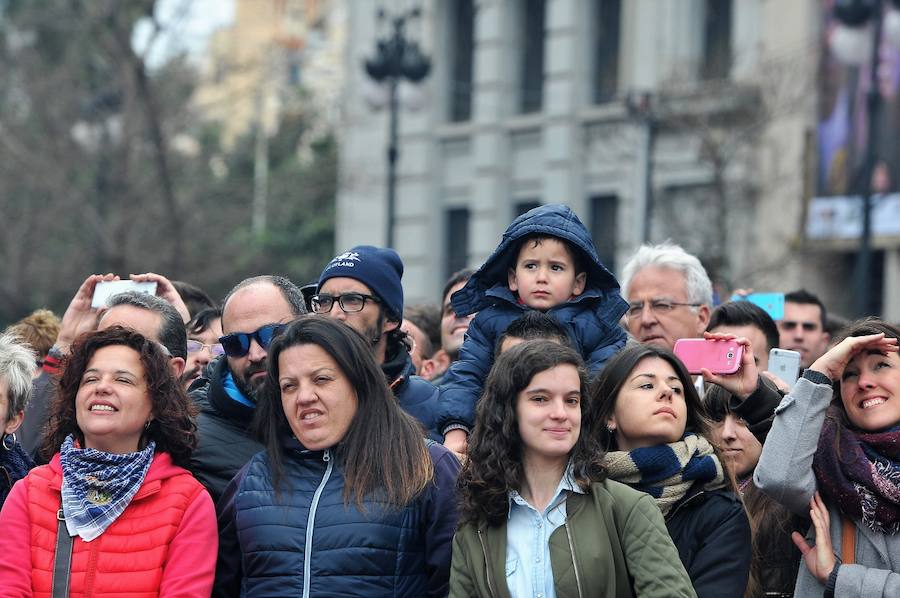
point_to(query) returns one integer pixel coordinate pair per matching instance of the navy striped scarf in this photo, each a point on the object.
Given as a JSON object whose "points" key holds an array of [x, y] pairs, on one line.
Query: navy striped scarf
{"points": [[667, 471]]}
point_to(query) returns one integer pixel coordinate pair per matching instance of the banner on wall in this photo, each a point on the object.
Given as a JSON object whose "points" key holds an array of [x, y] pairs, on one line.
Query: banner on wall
{"points": [[832, 218], [842, 130]]}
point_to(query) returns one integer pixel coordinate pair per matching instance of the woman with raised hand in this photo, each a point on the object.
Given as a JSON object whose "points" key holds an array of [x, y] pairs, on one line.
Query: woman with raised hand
{"points": [[659, 435], [834, 453], [348, 498], [539, 517], [114, 512], [17, 363]]}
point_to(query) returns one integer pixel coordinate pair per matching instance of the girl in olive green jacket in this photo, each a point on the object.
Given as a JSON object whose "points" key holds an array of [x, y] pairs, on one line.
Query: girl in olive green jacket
{"points": [[538, 516]]}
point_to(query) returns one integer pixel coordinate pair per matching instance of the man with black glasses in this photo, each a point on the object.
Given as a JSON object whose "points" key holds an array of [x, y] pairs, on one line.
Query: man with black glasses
{"points": [[362, 288], [254, 312]]}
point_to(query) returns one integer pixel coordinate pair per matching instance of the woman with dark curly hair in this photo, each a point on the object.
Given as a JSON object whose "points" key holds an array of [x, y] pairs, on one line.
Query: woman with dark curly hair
{"points": [[658, 433], [114, 511], [539, 516]]}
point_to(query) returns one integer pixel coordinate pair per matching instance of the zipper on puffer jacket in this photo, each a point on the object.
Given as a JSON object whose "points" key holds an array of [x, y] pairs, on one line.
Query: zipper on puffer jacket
{"points": [[574, 563], [310, 523], [487, 564], [687, 501]]}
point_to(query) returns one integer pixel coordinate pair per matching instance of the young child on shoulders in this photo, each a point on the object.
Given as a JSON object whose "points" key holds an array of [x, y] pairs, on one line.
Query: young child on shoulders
{"points": [[546, 261]]}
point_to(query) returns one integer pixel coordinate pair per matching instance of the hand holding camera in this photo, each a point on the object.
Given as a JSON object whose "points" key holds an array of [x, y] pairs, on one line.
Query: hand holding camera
{"points": [[722, 359]]}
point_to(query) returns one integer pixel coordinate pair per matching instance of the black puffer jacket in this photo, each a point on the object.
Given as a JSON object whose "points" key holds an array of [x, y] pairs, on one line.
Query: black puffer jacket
{"points": [[712, 534], [224, 441]]}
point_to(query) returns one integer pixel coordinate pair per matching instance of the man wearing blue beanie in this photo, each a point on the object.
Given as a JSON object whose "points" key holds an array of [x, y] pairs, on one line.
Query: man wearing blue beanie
{"points": [[362, 288]]}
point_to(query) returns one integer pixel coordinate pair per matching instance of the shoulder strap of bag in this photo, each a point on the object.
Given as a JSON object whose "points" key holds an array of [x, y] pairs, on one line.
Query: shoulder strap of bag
{"points": [[62, 562], [848, 541]]}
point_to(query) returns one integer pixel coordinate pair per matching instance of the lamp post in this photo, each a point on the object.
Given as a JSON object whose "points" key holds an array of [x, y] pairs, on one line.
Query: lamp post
{"points": [[396, 58], [862, 22]]}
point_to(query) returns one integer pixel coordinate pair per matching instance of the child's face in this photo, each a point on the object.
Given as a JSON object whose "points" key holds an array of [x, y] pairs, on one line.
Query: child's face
{"points": [[545, 275]]}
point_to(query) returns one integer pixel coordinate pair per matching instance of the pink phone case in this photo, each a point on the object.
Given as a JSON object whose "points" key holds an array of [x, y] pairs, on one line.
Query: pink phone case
{"points": [[719, 357]]}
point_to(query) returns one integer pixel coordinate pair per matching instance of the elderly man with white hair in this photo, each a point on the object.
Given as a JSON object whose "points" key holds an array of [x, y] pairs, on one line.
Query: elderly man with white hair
{"points": [[669, 295]]}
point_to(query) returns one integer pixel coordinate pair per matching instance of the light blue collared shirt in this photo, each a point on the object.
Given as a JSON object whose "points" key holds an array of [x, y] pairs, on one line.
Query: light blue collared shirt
{"points": [[528, 570]]}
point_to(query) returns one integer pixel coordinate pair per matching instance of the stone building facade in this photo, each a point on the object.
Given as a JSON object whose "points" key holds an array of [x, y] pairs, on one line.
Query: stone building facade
{"points": [[689, 120]]}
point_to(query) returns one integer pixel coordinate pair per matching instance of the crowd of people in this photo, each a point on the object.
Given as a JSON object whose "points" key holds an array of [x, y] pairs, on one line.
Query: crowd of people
{"points": [[532, 434]]}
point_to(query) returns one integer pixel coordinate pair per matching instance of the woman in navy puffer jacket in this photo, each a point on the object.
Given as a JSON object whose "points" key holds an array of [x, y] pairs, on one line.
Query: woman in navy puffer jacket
{"points": [[348, 499]]}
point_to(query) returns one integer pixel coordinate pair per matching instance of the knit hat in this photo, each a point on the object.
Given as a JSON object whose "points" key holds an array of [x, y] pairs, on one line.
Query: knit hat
{"points": [[378, 268]]}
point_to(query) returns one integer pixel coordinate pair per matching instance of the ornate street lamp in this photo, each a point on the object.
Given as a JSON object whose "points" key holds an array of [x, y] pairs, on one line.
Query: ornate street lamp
{"points": [[396, 58]]}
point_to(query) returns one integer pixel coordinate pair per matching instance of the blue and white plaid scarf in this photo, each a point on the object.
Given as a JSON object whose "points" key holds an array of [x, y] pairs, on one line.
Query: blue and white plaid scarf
{"points": [[667, 471], [98, 486]]}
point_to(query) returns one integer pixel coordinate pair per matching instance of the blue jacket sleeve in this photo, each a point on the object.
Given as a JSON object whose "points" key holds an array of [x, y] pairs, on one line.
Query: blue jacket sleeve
{"points": [[228, 565], [465, 379], [610, 344], [440, 509]]}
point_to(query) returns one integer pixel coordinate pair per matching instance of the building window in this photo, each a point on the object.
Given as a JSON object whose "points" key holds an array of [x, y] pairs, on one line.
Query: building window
{"points": [[220, 70], [607, 19], [462, 50], [531, 81], [717, 40], [293, 74], [523, 206], [603, 228], [457, 241]]}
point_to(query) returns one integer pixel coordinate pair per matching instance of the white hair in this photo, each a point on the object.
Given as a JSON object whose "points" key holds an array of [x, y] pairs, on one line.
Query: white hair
{"points": [[674, 257], [17, 365]]}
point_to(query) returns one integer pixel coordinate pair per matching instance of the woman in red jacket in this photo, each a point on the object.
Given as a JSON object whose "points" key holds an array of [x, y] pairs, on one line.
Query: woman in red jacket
{"points": [[133, 521]]}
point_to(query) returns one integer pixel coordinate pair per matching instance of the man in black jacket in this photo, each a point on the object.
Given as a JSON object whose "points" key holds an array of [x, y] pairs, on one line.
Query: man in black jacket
{"points": [[362, 288], [254, 312]]}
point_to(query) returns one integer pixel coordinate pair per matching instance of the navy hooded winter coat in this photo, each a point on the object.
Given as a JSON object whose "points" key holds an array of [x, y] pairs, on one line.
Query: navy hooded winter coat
{"points": [[591, 319]]}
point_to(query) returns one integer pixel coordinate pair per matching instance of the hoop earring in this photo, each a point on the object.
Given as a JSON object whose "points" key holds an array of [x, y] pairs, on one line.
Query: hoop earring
{"points": [[10, 446]]}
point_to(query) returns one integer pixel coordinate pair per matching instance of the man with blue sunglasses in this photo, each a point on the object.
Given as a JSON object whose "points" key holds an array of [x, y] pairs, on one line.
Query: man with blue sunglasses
{"points": [[254, 312]]}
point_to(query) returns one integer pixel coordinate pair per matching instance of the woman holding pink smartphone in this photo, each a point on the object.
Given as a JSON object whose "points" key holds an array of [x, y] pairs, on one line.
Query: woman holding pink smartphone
{"points": [[658, 432]]}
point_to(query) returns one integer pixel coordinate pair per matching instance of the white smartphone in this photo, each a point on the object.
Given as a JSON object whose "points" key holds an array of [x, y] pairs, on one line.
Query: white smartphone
{"points": [[785, 364], [107, 288]]}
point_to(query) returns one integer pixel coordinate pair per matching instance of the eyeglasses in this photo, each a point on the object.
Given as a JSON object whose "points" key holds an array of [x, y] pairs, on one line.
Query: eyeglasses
{"points": [[215, 349], [237, 344], [349, 302], [807, 326], [657, 306]]}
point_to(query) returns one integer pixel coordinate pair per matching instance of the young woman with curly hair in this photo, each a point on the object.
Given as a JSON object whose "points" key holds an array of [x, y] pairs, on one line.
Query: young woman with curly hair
{"points": [[538, 515], [114, 506]]}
